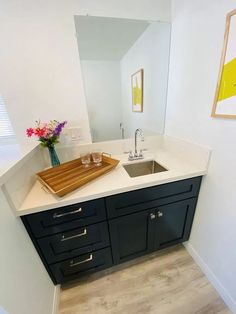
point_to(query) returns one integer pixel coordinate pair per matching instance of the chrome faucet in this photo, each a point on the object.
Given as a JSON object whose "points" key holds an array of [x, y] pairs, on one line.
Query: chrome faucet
{"points": [[136, 155]]}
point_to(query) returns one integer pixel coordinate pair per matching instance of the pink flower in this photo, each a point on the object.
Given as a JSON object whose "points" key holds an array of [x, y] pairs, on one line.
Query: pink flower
{"points": [[40, 132], [48, 133], [30, 132]]}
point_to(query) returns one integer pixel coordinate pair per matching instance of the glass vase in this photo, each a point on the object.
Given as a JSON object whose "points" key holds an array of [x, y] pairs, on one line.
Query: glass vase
{"points": [[53, 156]]}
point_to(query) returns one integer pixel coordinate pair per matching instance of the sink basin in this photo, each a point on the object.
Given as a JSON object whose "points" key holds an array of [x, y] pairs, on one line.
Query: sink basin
{"points": [[143, 168]]}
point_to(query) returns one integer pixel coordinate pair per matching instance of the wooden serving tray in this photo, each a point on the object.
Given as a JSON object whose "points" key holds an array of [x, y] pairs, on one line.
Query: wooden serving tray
{"points": [[69, 176]]}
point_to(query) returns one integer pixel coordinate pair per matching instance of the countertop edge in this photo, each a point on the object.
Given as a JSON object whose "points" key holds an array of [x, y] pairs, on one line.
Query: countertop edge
{"points": [[23, 212], [16, 164]]}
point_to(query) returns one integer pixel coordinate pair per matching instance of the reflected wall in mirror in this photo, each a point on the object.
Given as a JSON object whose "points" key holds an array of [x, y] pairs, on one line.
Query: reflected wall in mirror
{"points": [[111, 50]]}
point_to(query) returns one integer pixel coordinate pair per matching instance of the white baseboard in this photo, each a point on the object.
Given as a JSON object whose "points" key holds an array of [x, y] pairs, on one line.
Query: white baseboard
{"points": [[56, 299], [211, 277]]}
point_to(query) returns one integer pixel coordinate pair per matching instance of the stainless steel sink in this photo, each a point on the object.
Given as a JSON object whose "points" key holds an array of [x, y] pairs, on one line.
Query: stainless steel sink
{"points": [[143, 168]]}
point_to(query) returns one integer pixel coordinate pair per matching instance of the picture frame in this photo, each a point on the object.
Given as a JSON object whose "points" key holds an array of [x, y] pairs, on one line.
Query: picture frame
{"points": [[225, 96], [137, 90]]}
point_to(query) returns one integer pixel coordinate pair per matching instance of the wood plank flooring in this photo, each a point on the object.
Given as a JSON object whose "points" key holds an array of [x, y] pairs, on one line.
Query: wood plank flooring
{"points": [[166, 282]]}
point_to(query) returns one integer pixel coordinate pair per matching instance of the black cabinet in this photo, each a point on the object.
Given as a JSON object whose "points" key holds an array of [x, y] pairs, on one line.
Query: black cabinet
{"points": [[173, 223], [148, 198], [81, 265], [140, 233], [87, 237], [66, 218], [150, 219], [79, 241], [131, 236], [71, 240]]}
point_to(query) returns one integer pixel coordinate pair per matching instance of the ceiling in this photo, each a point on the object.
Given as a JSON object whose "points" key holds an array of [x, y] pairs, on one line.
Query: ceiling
{"points": [[102, 38]]}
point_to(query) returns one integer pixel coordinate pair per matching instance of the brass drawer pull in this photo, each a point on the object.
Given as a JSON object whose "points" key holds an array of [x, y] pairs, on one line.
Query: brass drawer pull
{"points": [[79, 210], [72, 264], [63, 238]]}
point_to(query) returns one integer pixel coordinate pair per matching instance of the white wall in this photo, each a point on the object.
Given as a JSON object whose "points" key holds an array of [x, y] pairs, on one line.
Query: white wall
{"points": [[133, 9], [40, 77], [25, 286], [40, 73], [150, 52], [197, 40], [102, 82], [39, 63]]}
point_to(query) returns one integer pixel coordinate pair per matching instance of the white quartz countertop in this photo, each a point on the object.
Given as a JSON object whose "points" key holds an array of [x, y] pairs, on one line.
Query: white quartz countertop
{"points": [[114, 182], [181, 159], [10, 156]]}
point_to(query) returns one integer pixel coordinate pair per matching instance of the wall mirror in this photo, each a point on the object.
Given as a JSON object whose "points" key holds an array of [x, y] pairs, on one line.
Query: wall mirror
{"points": [[111, 51]]}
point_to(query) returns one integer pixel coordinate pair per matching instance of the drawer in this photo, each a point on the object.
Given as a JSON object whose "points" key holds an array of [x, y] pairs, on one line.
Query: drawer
{"points": [[81, 265], [79, 241], [130, 202], [66, 218]]}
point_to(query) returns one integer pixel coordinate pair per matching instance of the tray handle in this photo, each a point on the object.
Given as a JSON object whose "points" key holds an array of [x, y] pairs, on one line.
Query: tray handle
{"points": [[104, 153], [46, 190]]}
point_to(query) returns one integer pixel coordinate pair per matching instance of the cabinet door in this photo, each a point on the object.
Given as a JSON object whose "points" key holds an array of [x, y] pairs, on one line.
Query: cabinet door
{"points": [[132, 235], [173, 223]]}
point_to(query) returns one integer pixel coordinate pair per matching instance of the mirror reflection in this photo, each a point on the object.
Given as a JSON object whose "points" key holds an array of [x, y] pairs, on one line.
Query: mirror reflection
{"points": [[125, 72]]}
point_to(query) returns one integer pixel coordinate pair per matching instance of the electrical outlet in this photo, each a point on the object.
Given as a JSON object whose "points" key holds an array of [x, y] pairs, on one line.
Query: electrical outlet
{"points": [[72, 134]]}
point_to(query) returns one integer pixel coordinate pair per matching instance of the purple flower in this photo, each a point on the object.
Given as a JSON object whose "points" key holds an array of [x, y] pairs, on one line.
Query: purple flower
{"points": [[59, 128]]}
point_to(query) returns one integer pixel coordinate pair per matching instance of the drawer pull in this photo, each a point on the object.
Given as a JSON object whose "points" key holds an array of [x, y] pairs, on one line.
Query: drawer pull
{"points": [[79, 210], [159, 214], [63, 238], [72, 264]]}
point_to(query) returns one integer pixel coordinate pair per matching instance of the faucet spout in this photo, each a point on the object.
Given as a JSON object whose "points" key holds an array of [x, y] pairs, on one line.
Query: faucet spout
{"points": [[140, 133], [136, 155]]}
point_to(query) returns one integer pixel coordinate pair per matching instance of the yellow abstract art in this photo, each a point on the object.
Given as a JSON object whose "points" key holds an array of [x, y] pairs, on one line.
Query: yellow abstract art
{"points": [[137, 91], [228, 81], [225, 96]]}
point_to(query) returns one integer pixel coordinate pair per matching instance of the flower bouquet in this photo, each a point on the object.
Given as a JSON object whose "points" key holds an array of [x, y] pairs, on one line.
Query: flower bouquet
{"points": [[48, 134]]}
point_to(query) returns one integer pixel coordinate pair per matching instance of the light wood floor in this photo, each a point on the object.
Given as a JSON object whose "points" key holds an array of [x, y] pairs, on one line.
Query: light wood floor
{"points": [[165, 282]]}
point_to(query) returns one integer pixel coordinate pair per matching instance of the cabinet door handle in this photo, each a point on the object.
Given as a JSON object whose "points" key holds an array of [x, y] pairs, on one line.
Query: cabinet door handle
{"points": [[72, 264], [63, 238], [159, 214], [79, 210], [152, 216]]}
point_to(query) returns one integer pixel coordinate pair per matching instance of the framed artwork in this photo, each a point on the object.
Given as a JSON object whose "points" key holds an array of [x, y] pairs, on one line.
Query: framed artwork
{"points": [[137, 91], [225, 97]]}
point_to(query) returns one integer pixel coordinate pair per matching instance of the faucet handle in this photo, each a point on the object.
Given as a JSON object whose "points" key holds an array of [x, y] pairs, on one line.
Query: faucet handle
{"points": [[140, 153], [131, 155]]}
